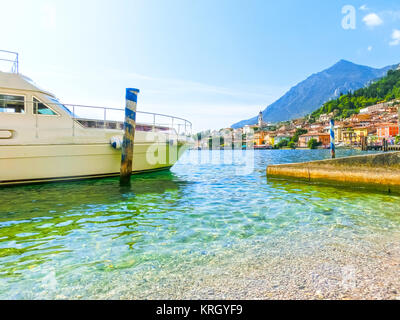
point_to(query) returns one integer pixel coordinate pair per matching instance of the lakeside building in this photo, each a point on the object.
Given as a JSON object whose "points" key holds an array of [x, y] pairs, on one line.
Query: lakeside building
{"points": [[387, 130], [338, 129], [349, 137], [362, 132], [324, 138], [282, 136], [269, 138], [258, 138]]}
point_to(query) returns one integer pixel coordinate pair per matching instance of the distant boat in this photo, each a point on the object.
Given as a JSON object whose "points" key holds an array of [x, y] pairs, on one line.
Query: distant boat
{"points": [[43, 140]]}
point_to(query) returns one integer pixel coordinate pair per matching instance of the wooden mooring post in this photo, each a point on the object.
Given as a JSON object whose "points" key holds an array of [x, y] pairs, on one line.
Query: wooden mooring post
{"points": [[384, 145], [129, 136], [364, 144]]}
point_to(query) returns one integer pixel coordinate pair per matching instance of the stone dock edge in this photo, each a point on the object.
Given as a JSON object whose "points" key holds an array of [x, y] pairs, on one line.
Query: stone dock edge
{"points": [[377, 171]]}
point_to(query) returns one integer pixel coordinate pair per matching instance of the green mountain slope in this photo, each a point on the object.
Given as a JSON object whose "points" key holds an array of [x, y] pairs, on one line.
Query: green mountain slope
{"points": [[386, 89]]}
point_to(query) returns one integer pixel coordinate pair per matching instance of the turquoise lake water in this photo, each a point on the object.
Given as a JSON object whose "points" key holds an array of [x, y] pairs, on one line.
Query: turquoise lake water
{"points": [[172, 232]]}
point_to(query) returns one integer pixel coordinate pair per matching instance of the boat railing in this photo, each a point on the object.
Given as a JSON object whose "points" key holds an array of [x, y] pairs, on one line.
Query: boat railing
{"points": [[8, 58], [105, 117], [96, 117]]}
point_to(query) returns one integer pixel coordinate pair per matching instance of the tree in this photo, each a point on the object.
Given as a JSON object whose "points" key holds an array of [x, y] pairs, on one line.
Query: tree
{"points": [[282, 143], [292, 145], [313, 144]]}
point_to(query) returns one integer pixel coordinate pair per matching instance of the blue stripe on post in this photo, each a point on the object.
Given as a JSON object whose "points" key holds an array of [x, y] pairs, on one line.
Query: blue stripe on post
{"points": [[131, 94], [332, 131], [130, 114]]}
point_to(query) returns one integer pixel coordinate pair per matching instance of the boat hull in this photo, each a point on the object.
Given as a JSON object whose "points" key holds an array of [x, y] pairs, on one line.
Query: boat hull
{"points": [[45, 163]]}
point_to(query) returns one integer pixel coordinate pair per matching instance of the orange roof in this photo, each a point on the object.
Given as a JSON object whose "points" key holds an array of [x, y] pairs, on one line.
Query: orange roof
{"points": [[380, 125]]}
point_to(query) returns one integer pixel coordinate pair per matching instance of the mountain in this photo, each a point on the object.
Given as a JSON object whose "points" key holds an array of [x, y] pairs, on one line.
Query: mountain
{"points": [[386, 89], [317, 89]]}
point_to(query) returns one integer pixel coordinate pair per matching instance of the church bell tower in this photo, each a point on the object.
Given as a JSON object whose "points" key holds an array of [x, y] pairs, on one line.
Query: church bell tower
{"points": [[260, 120]]}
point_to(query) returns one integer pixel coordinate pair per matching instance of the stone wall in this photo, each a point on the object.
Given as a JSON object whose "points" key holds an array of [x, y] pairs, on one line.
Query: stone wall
{"points": [[378, 171]]}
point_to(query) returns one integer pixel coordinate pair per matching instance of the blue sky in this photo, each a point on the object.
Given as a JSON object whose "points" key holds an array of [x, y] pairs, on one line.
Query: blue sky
{"points": [[213, 62]]}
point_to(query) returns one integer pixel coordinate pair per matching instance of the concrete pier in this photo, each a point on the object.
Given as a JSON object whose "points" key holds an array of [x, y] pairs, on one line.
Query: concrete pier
{"points": [[377, 171]]}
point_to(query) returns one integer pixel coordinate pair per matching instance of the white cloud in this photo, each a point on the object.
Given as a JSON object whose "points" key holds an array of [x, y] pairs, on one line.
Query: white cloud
{"points": [[370, 48], [372, 20], [363, 7], [395, 38]]}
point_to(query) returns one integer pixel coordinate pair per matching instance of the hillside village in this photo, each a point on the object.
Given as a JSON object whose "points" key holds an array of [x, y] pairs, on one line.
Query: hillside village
{"points": [[368, 115], [377, 122]]}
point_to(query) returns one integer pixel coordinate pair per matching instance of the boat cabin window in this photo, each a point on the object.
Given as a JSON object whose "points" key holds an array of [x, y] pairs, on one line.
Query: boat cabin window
{"points": [[12, 104], [41, 108], [58, 103]]}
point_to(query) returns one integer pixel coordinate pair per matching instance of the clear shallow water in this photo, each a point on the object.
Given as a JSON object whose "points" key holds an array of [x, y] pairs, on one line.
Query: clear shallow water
{"points": [[171, 232]]}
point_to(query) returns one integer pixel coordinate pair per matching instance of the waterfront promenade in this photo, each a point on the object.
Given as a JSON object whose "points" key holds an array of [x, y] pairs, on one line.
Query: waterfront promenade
{"points": [[378, 171]]}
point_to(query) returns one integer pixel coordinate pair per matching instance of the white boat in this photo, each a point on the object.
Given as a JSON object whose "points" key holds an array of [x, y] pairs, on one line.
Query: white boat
{"points": [[43, 140]]}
